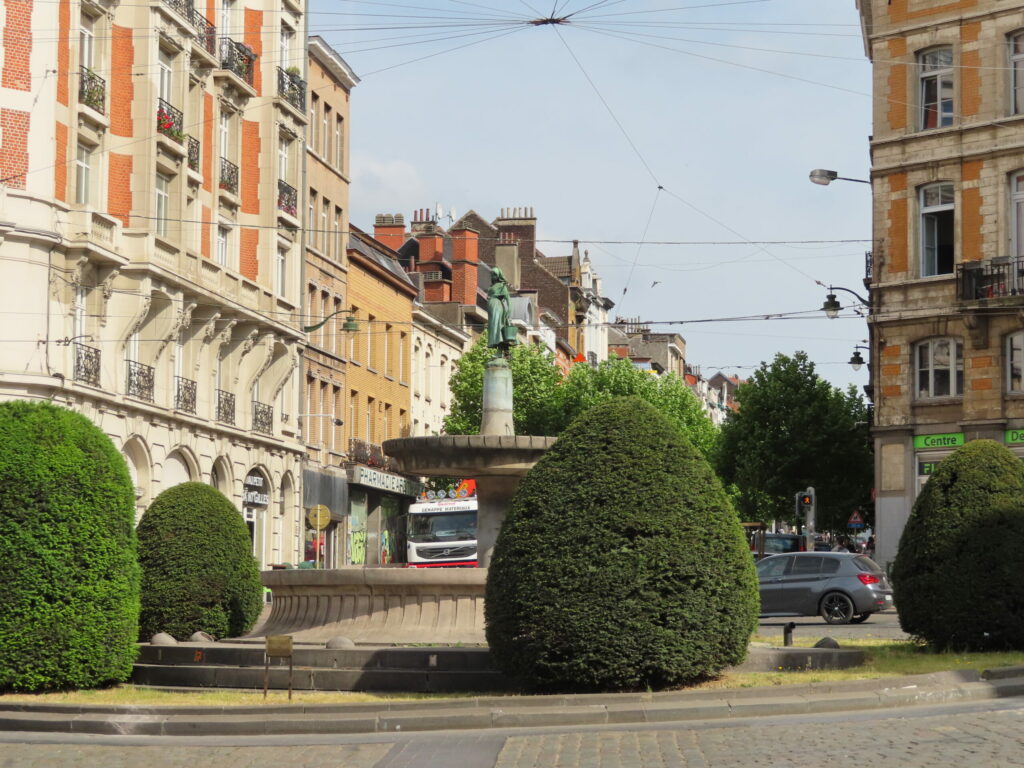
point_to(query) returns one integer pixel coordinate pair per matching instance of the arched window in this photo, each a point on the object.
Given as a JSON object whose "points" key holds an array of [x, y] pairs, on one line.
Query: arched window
{"points": [[939, 368]]}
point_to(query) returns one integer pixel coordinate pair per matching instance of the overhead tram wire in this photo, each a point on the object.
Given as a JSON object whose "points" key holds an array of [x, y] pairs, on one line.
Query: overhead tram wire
{"points": [[640, 246]]}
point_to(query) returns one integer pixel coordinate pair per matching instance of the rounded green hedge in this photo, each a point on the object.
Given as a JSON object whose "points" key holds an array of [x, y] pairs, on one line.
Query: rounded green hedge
{"points": [[621, 564], [957, 577], [69, 579], [198, 571]]}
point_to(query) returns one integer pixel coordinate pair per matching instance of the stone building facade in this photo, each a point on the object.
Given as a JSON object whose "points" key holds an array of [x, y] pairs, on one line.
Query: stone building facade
{"points": [[947, 269]]}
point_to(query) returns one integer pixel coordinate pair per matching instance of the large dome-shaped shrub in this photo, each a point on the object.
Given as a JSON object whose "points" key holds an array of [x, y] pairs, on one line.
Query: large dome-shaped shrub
{"points": [[621, 564], [69, 579], [957, 576], [198, 571]]}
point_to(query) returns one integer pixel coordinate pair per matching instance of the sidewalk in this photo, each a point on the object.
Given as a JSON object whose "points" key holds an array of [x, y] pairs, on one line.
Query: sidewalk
{"points": [[485, 712]]}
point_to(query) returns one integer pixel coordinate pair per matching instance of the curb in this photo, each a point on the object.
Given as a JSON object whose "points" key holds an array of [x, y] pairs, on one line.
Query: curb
{"points": [[513, 711]]}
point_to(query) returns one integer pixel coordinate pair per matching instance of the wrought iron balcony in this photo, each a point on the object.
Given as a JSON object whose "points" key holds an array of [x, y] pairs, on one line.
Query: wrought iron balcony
{"points": [[225, 407], [193, 153], [291, 88], [92, 89], [183, 7], [228, 176], [140, 380], [287, 198], [262, 418], [184, 394], [206, 33], [995, 279], [370, 454], [237, 58], [87, 364], [169, 121]]}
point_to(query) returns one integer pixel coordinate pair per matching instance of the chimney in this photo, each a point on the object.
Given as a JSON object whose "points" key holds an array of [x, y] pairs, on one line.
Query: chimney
{"points": [[521, 225], [507, 259], [431, 247], [465, 258], [389, 230]]}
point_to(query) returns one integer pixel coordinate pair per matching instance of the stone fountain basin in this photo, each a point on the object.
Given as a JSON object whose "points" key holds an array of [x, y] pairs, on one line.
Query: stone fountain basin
{"points": [[467, 455]]}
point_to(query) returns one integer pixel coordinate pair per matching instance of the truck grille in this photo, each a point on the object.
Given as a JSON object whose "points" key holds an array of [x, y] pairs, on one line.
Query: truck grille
{"points": [[445, 553]]}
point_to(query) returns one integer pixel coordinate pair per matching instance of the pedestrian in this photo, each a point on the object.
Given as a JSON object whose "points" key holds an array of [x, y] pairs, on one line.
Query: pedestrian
{"points": [[869, 548], [842, 545]]}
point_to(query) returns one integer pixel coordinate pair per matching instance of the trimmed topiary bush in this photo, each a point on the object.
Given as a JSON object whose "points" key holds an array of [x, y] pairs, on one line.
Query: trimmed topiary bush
{"points": [[621, 564], [198, 571], [69, 579], [957, 576]]}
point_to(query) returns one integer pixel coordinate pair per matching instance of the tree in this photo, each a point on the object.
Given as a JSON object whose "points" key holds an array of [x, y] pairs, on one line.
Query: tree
{"points": [[69, 604], [621, 564], [198, 571], [545, 404], [794, 430], [957, 574]]}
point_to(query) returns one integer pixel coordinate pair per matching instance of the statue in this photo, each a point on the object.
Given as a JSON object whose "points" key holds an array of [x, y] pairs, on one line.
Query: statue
{"points": [[501, 334]]}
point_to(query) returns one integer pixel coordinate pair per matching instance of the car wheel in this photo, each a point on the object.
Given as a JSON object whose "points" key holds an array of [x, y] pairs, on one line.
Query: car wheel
{"points": [[836, 608], [860, 618]]}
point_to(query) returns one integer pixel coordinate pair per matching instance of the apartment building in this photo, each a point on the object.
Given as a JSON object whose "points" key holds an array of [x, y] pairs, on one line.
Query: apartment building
{"points": [[151, 282], [947, 270]]}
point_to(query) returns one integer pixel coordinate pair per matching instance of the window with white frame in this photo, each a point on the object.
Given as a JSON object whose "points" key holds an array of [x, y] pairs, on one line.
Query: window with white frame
{"points": [[81, 302], [311, 220], [1016, 43], [339, 143], [223, 245], [936, 88], [163, 203], [284, 149], [1017, 213], [86, 41], [339, 236], [325, 134], [83, 174], [224, 134], [227, 17], [325, 237], [353, 412], [370, 405], [281, 271], [1015, 362], [939, 368], [165, 70], [386, 350], [937, 229], [287, 44]]}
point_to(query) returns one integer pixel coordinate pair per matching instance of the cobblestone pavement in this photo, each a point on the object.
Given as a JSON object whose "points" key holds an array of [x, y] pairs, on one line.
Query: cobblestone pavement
{"points": [[974, 735]]}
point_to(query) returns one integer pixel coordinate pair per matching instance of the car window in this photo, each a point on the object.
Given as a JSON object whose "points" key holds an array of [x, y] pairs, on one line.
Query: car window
{"points": [[806, 566], [867, 564], [772, 567], [829, 565], [780, 544]]}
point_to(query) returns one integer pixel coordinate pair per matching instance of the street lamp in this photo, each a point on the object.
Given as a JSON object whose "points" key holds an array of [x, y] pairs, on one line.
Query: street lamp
{"points": [[831, 306], [350, 323], [825, 177], [856, 361]]}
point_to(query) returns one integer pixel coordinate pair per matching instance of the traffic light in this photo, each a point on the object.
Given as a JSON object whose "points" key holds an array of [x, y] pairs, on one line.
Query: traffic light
{"points": [[807, 503]]}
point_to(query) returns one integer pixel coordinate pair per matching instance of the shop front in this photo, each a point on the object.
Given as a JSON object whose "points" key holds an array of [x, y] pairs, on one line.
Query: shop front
{"points": [[325, 499], [255, 501], [378, 501]]}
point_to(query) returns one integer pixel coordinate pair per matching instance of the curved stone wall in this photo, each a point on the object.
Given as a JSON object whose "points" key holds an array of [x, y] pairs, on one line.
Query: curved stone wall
{"points": [[374, 605]]}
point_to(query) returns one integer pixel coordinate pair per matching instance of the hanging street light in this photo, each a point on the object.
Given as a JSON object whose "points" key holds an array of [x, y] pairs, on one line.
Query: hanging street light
{"points": [[350, 323], [825, 177], [856, 361], [832, 306]]}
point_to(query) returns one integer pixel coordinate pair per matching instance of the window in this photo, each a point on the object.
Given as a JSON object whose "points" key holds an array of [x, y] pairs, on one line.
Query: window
{"points": [[163, 203], [223, 245], [370, 360], [324, 237], [83, 172], [937, 230], [284, 149], [227, 14], [339, 143], [1017, 213], [353, 344], [86, 40], [80, 315], [386, 352], [311, 222], [386, 425], [281, 271], [164, 69], [339, 234], [287, 44], [370, 403], [401, 356], [353, 411], [325, 134], [339, 337], [225, 134], [1017, 70], [314, 124], [1015, 362], [936, 67], [939, 367]]}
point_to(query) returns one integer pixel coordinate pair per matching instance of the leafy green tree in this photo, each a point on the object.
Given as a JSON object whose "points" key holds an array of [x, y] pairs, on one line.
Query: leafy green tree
{"points": [[794, 429], [198, 571], [545, 404], [621, 564], [69, 600], [957, 574]]}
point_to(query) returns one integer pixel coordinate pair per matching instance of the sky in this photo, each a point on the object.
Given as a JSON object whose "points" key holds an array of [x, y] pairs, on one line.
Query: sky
{"points": [[672, 138]]}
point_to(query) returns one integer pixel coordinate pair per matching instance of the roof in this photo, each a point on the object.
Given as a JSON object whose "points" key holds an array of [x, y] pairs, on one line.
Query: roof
{"points": [[330, 60], [379, 254], [559, 266]]}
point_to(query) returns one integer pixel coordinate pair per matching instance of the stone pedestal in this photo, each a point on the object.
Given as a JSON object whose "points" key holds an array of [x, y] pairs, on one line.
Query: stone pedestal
{"points": [[497, 399]]}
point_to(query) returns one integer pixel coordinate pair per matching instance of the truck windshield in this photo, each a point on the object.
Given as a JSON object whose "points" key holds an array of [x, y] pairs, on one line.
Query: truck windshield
{"points": [[443, 526]]}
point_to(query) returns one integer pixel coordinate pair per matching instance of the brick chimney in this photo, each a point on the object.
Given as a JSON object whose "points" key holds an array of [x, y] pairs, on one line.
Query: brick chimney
{"points": [[465, 261], [389, 229], [519, 224]]}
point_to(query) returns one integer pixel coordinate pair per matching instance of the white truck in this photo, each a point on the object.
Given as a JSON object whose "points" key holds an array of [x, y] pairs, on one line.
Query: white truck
{"points": [[441, 533]]}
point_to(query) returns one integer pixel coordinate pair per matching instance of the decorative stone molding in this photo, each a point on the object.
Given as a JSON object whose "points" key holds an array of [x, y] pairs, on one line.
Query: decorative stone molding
{"points": [[106, 291]]}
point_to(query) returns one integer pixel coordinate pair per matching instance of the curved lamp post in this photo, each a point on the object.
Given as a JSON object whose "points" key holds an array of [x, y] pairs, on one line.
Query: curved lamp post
{"points": [[856, 361], [350, 323], [825, 177], [831, 306]]}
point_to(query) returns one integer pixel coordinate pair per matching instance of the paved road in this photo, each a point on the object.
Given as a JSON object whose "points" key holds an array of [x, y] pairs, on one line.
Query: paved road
{"points": [[989, 734], [885, 625]]}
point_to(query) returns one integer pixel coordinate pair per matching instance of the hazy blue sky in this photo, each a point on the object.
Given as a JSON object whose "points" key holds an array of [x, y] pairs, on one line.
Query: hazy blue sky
{"points": [[727, 105]]}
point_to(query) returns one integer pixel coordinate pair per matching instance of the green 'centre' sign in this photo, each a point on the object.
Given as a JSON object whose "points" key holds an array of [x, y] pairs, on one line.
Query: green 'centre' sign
{"points": [[948, 440]]}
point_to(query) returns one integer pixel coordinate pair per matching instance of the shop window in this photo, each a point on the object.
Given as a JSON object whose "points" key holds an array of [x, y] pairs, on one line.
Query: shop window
{"points": [[939, 368]]}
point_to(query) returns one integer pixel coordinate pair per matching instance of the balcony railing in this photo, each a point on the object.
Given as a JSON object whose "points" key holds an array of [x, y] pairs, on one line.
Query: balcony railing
{"points": [[169, 121], [87, 364], [291, 88], [370, 454], [287, 198], [193, 153], [92, 89], [869, 266], [228, 176], [225, 407], [206, 33], [237, 58], [183, 7], [140, 381], [995, 279], [184, 394], [262, 418]]}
